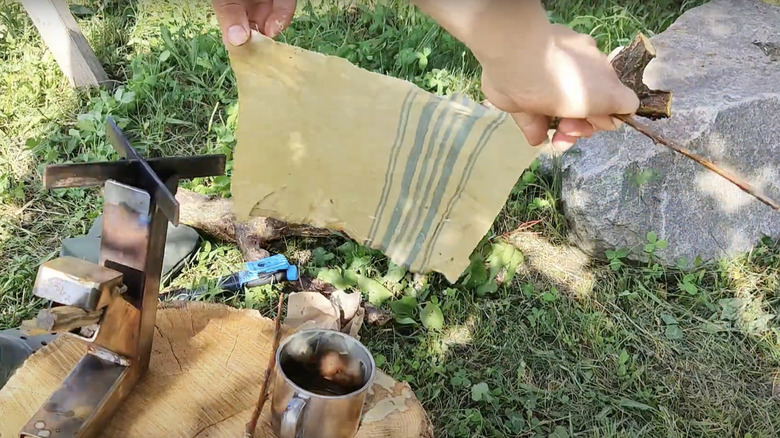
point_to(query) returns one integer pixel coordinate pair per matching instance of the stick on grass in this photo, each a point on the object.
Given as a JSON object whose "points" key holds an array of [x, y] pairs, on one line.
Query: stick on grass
{"points": [[249, 432]]}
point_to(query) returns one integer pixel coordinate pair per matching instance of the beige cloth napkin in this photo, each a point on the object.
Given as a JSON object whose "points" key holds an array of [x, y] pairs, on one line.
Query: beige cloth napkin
{"points": [[325, 143]]}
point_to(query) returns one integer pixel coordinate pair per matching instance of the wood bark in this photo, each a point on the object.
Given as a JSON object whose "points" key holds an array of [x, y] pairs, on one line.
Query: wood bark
{"points": [[213, 215], [630, 64], [204, 380]]}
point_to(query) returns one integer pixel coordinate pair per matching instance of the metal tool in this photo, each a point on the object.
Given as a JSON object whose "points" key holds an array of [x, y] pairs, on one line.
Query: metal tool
{"points": [[321, 381], [123, 286], [273, 269]]}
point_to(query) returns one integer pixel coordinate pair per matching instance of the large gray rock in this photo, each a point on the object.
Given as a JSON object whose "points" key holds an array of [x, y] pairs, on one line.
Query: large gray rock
{"points": [[617, 186]]}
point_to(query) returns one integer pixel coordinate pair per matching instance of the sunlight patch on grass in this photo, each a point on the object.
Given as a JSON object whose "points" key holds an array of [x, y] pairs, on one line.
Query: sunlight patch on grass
{"points": [[564, 266]]}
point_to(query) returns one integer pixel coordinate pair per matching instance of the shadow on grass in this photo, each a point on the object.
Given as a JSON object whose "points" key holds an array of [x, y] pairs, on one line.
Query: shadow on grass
{"points": [[528, 362]]}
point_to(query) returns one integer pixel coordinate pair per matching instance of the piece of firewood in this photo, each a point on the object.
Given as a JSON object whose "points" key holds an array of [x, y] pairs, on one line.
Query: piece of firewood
{"points": [[63, 37], [61, 319], [213, 215], [630, 64], [249, 432]]}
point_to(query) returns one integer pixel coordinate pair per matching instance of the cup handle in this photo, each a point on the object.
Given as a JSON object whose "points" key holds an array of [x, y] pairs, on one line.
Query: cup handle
{"points": [[292, 416]]}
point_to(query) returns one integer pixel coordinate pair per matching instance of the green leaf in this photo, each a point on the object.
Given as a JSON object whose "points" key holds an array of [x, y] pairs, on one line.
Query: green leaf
{"points": [[668, 319], [432, 317], [487, 288], [514, 263], [673, 332], [377, 293], [405, 321], [394, 274], [127, 97], [165, 55], [652, 237], [623, 356], [405, 306], [661, 244], [611, 254], [628, 403], [338, 279], [690, 288], [81, 11], [550, 296], [320, 256], [559, 432], [480, 392], [649, 247], [165, 33], [714, 327]]}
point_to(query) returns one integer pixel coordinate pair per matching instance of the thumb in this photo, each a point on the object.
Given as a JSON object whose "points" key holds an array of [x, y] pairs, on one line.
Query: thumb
{"points": [[534, 126], [233, 21], [280, 18], [624, 100]]}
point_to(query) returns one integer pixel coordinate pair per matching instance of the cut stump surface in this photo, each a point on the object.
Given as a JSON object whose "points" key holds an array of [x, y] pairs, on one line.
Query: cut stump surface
{"points": [[204, 379]]}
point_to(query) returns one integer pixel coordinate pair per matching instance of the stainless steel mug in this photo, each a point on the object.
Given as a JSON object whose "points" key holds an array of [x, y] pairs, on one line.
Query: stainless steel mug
{"points": [[320, 385]]}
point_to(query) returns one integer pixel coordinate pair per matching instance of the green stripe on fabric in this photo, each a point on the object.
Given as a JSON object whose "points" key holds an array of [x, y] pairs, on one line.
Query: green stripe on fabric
{"points": [[462, 136], [411, 166], [419, 204], [491, 128], [399, 139]]}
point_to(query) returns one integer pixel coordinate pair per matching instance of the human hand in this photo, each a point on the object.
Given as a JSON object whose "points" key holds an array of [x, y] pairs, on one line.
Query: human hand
{"points": [[237, 17], [555, 72]]}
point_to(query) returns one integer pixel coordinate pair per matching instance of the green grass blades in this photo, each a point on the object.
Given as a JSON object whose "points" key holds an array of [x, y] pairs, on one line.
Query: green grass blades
{"points": [[531, 342]]}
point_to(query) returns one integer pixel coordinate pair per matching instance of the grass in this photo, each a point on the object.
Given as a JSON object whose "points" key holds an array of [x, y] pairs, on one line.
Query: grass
{"points": [[560, 349]]}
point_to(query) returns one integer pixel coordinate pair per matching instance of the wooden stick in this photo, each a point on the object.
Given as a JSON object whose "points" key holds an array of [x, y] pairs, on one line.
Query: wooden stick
{"points": [[249, 432], [214, 216], [630, 64], [738, 181]]}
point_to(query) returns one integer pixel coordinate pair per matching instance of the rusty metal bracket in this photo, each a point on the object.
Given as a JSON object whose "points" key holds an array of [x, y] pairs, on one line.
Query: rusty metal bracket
{"points": [[124, 286]]}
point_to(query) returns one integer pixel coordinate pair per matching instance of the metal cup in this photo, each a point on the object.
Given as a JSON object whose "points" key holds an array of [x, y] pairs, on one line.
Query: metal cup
{"points": [[320, 385]]}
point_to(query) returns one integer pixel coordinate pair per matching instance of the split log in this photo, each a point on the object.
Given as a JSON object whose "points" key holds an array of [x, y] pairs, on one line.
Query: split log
{"points": [[61, 319], [204, 380], [213, 215], [64, 39]]}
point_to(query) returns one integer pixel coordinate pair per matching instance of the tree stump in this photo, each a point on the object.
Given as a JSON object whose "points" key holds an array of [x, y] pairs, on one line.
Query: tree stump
{"points": [[204, 379]]}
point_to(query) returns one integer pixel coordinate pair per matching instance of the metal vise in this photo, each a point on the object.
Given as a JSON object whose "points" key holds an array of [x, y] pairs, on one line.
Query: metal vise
{"points": [[110, 305]]}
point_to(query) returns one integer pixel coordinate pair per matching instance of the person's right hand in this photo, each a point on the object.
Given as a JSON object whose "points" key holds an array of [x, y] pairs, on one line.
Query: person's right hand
{"points": [[556, 72], [237, 17]]}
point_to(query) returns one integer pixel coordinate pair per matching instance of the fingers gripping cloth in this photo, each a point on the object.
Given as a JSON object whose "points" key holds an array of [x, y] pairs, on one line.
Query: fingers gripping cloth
{"points": [[322, 142]]}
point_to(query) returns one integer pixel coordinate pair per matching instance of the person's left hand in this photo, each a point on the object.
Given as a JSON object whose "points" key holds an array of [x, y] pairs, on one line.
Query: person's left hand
{"points": [[237, 17]]}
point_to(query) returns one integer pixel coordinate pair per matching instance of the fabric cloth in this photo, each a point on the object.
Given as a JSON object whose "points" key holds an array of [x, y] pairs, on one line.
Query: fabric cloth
{"points": [[322, 142]]}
